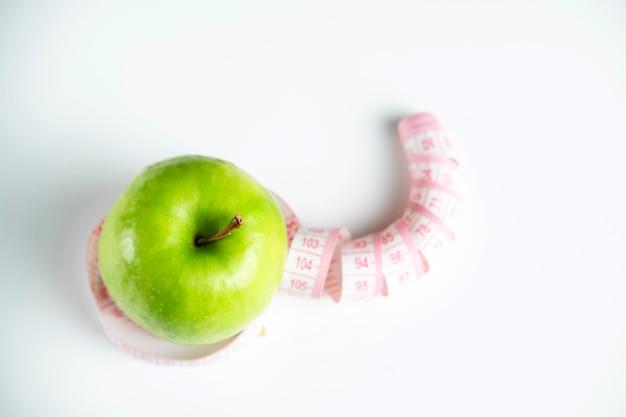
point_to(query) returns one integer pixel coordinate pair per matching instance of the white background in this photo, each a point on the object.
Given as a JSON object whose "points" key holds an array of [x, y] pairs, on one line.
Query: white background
{"points": [[527, 317]]}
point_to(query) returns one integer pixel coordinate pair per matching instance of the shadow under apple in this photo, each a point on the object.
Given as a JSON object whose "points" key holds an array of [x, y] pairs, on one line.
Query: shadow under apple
{"points": [[65, 223]]}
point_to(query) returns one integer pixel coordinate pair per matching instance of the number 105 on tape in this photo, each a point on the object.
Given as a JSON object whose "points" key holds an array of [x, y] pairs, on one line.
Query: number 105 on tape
{"points": [[308, 261]]}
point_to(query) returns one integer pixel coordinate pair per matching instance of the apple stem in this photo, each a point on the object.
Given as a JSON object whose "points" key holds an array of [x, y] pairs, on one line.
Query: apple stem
{"points": [[235, 223]]}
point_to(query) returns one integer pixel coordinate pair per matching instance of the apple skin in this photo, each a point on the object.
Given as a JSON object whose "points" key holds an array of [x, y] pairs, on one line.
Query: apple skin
{"points": [[156, 274]]}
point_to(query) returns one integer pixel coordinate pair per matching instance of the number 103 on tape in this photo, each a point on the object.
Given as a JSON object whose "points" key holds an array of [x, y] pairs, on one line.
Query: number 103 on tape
{"points": [[308, 261]]}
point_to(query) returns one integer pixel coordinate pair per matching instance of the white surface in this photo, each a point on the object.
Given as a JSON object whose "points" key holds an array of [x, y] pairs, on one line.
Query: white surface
{"points": [[527, 319]]}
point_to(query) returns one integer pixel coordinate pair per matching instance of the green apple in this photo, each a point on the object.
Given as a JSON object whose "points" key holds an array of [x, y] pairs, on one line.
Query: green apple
{"points": [[193, 250]]}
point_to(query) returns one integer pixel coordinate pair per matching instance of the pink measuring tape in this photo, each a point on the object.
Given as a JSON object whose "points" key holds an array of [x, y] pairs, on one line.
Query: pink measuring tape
{"points": [[328, 259]]}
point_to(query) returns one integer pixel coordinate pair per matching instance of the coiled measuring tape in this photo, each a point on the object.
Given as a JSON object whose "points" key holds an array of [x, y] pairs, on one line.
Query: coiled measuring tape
{"points": [[328, 259], [384, 261]]}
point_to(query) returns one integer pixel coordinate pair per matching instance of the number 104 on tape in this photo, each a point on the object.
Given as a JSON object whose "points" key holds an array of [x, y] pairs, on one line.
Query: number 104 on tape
{"points": [[308, 261]]}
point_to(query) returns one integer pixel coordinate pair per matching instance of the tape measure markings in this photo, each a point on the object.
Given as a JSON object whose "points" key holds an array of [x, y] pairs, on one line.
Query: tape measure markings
{"points": [[418, 208], [328, 259], [333, 285], [402, 263], [309, 257], [360, 272]]}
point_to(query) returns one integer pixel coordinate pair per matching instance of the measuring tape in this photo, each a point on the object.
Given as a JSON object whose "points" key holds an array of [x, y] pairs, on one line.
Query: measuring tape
{"points": [[328, 259], [387, 260]]}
